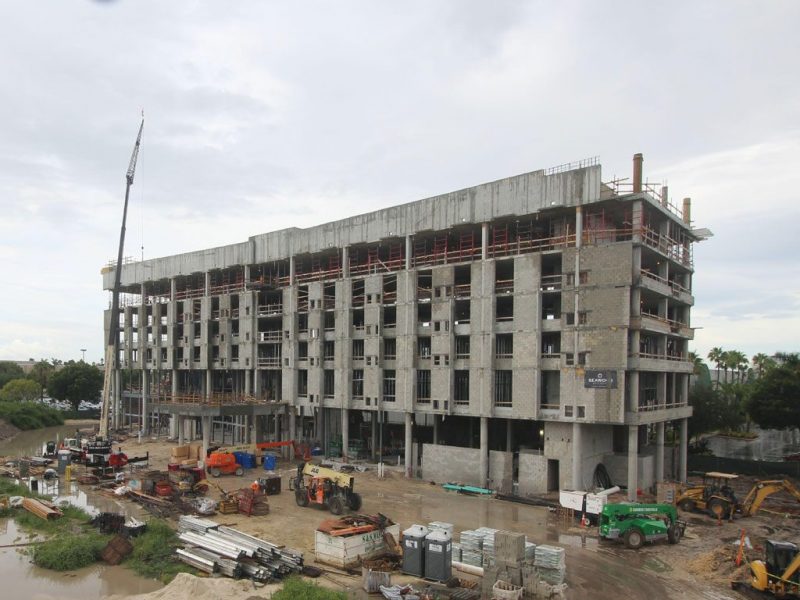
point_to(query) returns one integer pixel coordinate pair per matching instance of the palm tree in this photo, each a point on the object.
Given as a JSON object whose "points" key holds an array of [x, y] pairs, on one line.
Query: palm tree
{"points": [[697, 361], [737, 362], [715, 356], [760, 363]]}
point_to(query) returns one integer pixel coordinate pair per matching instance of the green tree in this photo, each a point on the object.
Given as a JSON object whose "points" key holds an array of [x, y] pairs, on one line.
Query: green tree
{"points": [[20, 390], [41, 373], [708, 410], [715, 355], [10, 370], [76, 382], [737, 362], [775, 399], [761, 363]]}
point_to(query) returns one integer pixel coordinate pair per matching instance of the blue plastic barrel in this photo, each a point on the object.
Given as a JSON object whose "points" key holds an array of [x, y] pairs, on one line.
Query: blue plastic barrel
{"points": [[239, 456], [269, 462], [248, 460]]}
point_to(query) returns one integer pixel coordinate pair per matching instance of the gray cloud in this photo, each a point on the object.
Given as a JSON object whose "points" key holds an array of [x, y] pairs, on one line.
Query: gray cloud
{"points": [[262, 116]]}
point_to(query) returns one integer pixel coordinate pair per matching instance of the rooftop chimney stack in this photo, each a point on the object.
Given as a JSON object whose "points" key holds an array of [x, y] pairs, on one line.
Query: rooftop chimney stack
{"points": [[637, 173], [687, 211]]}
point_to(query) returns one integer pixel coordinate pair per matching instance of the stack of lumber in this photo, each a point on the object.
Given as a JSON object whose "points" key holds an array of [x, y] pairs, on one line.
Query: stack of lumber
{"points": [[41, 508]]}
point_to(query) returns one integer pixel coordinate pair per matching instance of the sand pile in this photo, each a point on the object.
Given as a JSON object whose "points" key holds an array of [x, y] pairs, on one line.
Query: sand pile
{"points": [[189, 587]]}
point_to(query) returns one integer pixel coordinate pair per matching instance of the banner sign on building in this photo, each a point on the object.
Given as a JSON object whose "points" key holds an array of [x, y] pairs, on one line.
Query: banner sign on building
{"points": [[596, 378]]}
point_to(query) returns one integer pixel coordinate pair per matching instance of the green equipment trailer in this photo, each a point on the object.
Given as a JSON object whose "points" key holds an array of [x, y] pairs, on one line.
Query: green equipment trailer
{"points": [[636, 524]]}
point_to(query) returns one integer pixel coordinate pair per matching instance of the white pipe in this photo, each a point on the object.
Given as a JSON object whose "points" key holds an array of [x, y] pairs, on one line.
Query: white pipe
{"points": [[469, 569], [609, 491]]}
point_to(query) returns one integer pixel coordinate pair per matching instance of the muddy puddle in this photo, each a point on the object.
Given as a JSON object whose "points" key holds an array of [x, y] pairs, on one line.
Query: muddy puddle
{"points": [[21, 579], [29, 443]]}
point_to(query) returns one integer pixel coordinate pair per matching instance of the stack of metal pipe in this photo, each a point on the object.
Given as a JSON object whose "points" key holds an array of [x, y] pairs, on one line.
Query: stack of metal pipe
{"points": [[218, 549]]}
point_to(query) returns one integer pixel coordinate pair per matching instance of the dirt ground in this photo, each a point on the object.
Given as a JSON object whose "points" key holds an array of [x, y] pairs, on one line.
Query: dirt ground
{"points": [[701, 566]]}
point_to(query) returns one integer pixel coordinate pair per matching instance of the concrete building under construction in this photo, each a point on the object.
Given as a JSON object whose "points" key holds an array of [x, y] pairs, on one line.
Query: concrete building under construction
{"points": [[514, 335]]}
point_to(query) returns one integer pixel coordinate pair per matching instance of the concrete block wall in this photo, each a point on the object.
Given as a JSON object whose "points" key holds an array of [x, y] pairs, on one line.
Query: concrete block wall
{"points": [[558, 445], [532, 473], [501, 471], [617, 467], [450, 463]]}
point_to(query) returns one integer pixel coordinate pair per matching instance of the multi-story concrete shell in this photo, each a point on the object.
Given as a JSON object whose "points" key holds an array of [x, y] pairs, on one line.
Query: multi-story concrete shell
{"points": [[514, 334]]}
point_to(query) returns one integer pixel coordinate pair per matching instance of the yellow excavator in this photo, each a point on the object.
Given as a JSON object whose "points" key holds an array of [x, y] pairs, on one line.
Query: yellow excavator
{"points": [[716, 497], [319, 485], [778, 573], [763, 489]]}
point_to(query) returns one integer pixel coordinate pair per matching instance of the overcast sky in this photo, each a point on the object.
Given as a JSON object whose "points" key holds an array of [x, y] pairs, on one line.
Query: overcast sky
{"points": [[265, 115]]}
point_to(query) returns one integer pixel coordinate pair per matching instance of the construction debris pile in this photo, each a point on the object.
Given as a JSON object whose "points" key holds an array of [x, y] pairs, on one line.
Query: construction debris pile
{"points": [[215, 548], [514, 575]]}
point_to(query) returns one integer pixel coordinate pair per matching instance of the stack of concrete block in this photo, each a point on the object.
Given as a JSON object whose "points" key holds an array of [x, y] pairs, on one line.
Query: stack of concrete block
{"points": [[551, 563], [530, 550], [487, 545], [509, 547], [441, 525], [471, 548]]}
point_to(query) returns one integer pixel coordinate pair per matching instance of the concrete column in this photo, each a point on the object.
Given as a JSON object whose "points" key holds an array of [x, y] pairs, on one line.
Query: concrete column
{"points": [[662, 390], [257, 383], [509, 435], [206, 435], [247, 382], [577, 451], [145, 428], [374, 432], [209, 383], [173, 288], [246, 434], [345, 432], [578, 232], [346, 261], [206, 283], [660, 451], [685, 392], [683, 450], [408, 252], [409, 426], [181, 427], [633, 461], [174, 382], [292, 423], [291, 270], [484, 241], [633, 389], [484, 454], [435, 429]]}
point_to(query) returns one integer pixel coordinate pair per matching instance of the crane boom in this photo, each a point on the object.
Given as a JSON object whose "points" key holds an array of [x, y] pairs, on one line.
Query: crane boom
{"points": [[113, 326]]}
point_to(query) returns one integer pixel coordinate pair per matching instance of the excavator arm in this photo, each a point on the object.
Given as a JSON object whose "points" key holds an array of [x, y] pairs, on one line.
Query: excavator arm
{"points": [[762, 490]]}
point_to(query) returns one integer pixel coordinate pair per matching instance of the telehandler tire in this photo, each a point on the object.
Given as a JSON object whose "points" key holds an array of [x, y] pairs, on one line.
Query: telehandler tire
{"points": [[634, 538], [336, 505]]}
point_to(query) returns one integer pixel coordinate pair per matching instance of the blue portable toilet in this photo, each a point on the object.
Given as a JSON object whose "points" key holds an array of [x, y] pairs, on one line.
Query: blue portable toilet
{"points": [[270, 461]]}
